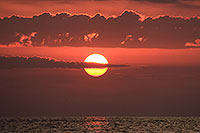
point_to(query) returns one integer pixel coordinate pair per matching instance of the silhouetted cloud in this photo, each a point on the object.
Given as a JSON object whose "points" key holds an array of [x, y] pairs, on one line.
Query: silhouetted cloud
{"points": [[38, 62], [130, 29], [196, 43]]}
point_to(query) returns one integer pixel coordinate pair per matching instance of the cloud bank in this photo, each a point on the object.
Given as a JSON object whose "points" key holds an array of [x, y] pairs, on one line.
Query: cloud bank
{"points": [[38, 62], [130, 29]]}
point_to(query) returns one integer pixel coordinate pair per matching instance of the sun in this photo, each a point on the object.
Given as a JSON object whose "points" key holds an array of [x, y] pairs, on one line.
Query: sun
{"points": [[96, 58]]}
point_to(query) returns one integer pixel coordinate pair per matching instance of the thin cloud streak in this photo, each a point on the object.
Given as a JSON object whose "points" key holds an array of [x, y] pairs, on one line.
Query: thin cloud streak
{"points": [[38, 62]]}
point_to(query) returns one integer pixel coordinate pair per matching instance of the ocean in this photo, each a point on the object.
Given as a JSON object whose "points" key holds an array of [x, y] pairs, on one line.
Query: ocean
{"points": [[100, 124]]}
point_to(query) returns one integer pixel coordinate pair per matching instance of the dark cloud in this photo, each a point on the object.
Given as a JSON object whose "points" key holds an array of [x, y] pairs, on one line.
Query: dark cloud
{"points": [[38, 62], [130, 29]]}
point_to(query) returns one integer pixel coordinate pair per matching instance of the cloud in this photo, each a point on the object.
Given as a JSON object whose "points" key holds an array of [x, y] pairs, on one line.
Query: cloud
{"points": [[38, 62], [128, 38], [89, 37], [25, 40], [131, 29], [196, 43]]}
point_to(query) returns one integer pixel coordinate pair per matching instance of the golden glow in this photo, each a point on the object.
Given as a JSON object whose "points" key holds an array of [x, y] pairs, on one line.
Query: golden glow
{"points": [[96, 58], [96, 72]]}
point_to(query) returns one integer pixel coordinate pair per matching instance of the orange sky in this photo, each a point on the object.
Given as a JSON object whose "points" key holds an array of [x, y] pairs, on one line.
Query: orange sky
{"points": [[128, 56], [162, 77], [106, 7]]}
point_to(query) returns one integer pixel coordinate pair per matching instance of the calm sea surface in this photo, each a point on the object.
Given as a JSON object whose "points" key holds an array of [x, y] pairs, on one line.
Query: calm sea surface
{"points": [[100, 124]]}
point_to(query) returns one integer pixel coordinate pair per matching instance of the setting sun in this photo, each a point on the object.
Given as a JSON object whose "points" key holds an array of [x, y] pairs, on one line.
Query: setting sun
{"points": [[96, 58], [99, 66]]}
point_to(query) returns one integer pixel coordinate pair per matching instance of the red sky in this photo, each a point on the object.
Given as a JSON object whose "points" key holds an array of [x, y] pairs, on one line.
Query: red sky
{"points": [[107, 7], [125, 28], [134, 57], [165, 83]]}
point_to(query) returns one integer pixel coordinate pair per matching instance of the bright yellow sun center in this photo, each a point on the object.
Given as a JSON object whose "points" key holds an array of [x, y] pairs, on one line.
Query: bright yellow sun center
{"points": [[96, 58]]}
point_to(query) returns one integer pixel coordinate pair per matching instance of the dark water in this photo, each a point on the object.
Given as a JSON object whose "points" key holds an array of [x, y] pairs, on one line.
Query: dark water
{"points": [[132, 91], [100, 124]]}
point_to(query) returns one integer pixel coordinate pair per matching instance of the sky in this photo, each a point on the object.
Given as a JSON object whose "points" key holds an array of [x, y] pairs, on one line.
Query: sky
{"points": [[43, 44], [107, 7], [68, 22], [171, 24]]}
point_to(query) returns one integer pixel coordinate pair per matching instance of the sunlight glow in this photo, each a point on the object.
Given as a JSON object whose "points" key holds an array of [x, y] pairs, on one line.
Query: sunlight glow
{"points": [[96, 72], [96, 58]]}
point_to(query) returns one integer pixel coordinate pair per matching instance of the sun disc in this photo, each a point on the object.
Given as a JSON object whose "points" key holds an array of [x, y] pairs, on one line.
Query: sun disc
{"points": [[96, 72], [96, 58]]}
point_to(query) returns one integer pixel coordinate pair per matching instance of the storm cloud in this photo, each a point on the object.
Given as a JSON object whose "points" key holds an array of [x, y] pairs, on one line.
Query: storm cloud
{"points": [[130, 29]]}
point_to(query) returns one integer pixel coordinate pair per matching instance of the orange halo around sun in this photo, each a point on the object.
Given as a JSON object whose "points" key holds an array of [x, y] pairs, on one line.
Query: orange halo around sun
{"points": [[96, 58]]}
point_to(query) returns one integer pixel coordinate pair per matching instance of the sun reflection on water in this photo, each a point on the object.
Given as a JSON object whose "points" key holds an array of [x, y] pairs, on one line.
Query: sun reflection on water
{"points": [[96, 124]]}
